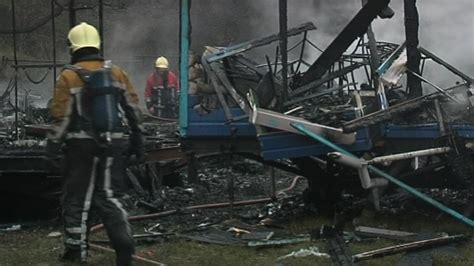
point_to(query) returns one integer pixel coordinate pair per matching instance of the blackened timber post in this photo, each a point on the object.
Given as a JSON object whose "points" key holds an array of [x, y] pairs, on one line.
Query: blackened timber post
{"points": [[53, 30], [411, 33], [15, 58], [72, 13], [283, 8]]}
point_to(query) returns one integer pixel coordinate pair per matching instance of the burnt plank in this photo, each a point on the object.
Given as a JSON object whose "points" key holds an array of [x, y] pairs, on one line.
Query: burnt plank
{"points": [[357, 27]]}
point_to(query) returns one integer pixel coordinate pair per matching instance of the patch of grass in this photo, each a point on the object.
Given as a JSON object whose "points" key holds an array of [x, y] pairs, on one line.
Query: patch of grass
{"points": [[182, 252], [32, 247]]}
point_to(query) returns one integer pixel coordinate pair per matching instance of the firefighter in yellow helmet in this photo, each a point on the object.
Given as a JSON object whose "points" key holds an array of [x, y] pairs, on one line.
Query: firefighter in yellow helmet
{"points": [[161, 91], [91, 99]]}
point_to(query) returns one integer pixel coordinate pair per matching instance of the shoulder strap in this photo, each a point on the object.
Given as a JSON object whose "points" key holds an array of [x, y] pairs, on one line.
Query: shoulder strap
{"points": [[108, 64], [84, 74]]}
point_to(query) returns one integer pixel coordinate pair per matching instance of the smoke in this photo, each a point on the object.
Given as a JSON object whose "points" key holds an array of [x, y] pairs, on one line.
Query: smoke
{"points": [[445, 30], [149, 28], [135, 36], [145, 29]]}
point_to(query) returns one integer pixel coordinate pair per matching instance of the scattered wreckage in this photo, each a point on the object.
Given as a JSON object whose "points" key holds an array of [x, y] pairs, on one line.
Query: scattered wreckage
{"points": [[266, 112], [290, 118], [330, 121]]}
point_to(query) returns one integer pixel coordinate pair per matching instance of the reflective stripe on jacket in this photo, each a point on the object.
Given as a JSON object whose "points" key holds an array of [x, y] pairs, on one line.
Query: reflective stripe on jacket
{"points": [[69, 83]]}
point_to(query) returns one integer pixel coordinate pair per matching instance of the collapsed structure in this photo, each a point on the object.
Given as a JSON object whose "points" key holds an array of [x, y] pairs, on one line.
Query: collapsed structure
{"points": [[356, 99], [345, 120], [238, 106]]}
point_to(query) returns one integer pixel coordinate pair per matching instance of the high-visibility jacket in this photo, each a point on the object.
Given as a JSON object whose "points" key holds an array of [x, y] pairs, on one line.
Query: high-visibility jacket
{"points": [[69, 84]]}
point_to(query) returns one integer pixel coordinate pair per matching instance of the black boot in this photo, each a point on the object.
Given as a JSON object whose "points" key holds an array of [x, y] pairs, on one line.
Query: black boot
{"points": [[123, 259], [71, 256]]}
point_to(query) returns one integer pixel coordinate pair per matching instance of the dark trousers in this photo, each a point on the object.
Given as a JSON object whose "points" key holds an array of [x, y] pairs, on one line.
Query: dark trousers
{"points": [[94, 179], [169, 111]]}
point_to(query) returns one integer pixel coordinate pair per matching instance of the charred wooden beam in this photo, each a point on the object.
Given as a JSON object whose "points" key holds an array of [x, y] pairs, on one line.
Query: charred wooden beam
{"points": [[383, 233], [283, 50], [413, 55], [218, 88], [221, 75], [72, 13], [357, 27]]}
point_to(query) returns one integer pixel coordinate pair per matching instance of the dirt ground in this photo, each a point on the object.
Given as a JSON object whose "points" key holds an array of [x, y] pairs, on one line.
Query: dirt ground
{"points": [[32, 246]]}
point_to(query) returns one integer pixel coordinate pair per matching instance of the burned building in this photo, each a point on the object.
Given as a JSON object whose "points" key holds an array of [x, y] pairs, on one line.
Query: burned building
{"points": [[359, 117]]}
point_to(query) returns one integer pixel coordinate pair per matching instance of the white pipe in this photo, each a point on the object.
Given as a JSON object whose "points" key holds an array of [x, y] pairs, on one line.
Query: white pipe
{"points": [[293, 110], [409, 155], [347, 160]]}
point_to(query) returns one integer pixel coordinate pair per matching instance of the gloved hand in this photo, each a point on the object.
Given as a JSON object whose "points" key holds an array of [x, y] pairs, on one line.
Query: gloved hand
{"points": [[52, 154], [136, 148]]}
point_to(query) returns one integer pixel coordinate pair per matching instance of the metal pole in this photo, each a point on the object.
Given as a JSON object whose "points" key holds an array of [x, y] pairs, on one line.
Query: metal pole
{"points": [[101, 26], [283, 8], [15, 58], [53, 29], [300, 127], [184, 33], [433, 85]]}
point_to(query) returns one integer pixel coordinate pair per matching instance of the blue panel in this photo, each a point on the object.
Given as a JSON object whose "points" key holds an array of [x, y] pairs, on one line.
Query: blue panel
{"points": [[425, 131], [273, 146], [289, 145], [214, 124], [465, 131]]}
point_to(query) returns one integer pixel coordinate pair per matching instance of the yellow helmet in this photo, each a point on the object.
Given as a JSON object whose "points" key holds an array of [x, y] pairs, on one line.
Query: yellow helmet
{"points": [[83, 35], [162, 62]]}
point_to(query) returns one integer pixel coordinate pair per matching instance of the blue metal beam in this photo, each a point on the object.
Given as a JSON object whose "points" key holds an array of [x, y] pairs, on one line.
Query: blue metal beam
{"points": [[183, 65]]}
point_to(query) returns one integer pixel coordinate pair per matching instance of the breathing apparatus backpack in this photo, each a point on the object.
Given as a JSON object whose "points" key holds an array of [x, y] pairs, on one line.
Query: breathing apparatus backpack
{"points": [[99, 101]]}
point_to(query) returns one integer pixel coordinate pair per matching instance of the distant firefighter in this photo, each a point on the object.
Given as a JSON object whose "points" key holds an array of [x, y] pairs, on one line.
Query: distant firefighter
{"points": [[162, 90], [93, 102], [196, 78]]}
